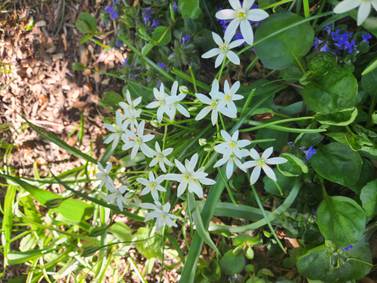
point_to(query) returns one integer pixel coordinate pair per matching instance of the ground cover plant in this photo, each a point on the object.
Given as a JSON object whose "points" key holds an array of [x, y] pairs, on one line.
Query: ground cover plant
{"points": [[240, 146]]}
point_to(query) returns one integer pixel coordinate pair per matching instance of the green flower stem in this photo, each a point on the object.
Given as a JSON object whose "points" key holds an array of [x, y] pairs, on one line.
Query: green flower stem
{"points": [[267, 220], [269, 124]]}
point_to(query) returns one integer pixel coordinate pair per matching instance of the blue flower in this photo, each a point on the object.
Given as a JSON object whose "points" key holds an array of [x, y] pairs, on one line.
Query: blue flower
{"points": [[175, 6], [155, 23], [112, 12], [161, 65], [118, 43], [147, 15], [366, 37], [186, 38], [310, 152], [348, 248]]}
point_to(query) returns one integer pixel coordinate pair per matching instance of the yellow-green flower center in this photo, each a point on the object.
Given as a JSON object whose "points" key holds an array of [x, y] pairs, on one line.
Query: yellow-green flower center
{"points": [[227, 97], [224, 47], [241, 15], [213, 104], [232, 145], [261, 162]]}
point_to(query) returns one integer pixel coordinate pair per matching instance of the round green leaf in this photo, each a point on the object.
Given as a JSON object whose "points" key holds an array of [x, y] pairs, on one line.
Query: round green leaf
{"points": [[294, 167], [337, 163], [161, 35], [368, 197], [232, 263], [341, 118], [333, 93], [369, 81], [326, 264], [341, 220], [285, 48]]}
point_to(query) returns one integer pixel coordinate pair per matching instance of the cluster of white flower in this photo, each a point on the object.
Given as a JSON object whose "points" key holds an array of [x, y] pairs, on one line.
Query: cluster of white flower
{"points": [[239, 16], [219, 102], [130, 129]]}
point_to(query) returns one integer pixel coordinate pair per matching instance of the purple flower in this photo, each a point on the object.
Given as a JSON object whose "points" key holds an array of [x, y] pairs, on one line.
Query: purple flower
{"points": [[317, 42], [161, 65], [325, 48], [155, 23], [186, 38], [350, 47], [175, 6], [125, 62], [310, 152], [366, 37], [112, 12], [348, 248], [118, 43], [147, 15]]}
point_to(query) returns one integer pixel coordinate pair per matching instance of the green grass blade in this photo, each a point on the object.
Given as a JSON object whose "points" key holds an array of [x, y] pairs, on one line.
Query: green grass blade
{"points": [[6, 234], [202, 231], [72, 210], [264, 221], [370, 68], [59, 142]]}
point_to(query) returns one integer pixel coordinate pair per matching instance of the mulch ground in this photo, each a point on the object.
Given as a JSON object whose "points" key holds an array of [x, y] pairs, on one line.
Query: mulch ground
{"points": [[38, 45]]}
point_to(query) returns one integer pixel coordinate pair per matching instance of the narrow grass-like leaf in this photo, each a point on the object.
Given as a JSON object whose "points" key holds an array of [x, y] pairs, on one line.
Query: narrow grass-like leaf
{"points": [[370, 68], [227, 209], [59, 142], [22, 257], [73, 210], [202, 231], [7, 222], [270, 216]]}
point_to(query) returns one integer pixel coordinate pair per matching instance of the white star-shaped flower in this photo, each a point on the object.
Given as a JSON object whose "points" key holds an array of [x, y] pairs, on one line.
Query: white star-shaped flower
{"points": [[262, 163], [365, 7], [118, 196], [233, 151], [215, 104], [189, 178], [103, 175], [116, 130], [160, 213], [137, 141], [130, 113], [162, 102], [152, 185], [160, 157], [230, 95], [240, 15], [175, 99], [224, 49]]}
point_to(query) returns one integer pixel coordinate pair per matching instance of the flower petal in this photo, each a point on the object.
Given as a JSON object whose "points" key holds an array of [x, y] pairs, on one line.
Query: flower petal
{"points": [[276, 160], [233, 57], [203, 113], [235, 4], [247, 32], [231, 30], [219, 60], [269, 172], [267, 153], [346, 6], [254, 154], [210, 53], [255, 175], [257, 15], [225, 14], [363, 13]]}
